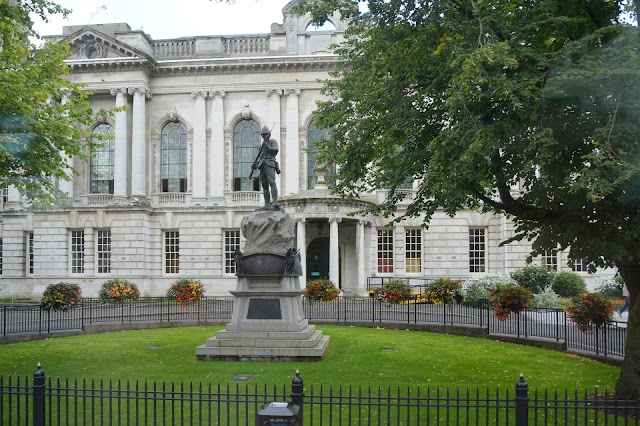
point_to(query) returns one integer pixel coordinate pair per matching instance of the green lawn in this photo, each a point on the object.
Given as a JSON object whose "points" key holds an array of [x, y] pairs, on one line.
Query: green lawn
{"points": [[356, 356]]}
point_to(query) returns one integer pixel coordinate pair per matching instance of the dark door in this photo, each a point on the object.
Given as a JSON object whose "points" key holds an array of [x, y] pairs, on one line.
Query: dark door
{"points": [[318, 259]]}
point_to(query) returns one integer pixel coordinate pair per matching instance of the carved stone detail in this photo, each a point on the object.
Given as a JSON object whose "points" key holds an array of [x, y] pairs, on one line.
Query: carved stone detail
{"points": [[92, 50], [214, 93], [172, 115], [288, 92], [198, 93], [246, 112]]}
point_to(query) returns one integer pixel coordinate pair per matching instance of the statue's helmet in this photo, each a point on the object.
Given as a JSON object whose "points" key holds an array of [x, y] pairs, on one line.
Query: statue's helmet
{"points": [[265, 131]]}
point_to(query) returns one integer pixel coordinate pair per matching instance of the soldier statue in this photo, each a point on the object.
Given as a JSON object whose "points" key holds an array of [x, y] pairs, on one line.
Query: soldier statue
{"points": [[268, 166]]}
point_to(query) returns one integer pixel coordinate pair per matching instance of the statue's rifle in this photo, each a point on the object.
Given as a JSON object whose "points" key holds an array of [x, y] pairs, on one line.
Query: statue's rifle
{"points": [[255, 162]]}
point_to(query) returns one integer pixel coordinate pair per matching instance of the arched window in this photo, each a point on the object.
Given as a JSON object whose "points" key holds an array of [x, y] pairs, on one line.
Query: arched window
{"points": [[102, 160], [173, 158], [314, 134], [246, 144]]}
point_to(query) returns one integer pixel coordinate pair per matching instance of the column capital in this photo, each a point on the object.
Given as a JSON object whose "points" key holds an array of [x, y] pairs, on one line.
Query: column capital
{"points": [[288, 92], [141, 90], [335, 219], [118, 90], [270, 92], [217, 93], [301, 220], [199, 94]]}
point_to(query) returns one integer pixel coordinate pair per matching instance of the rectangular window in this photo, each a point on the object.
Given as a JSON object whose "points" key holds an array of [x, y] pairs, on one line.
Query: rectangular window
{"points": [[385, 251], [0, 256], [5, 195], [413, 251], [231, 244], [103, 251], [579, 265], [77, 252], [477, 250], [172, 252], [550, 258]]}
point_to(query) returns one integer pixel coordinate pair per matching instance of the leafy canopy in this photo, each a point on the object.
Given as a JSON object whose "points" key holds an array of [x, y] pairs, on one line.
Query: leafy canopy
{"points": [[41, 113], [527, 108]]}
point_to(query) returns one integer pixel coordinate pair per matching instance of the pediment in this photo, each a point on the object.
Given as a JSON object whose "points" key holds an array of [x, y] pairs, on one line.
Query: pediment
{"points": [[89, 44]]}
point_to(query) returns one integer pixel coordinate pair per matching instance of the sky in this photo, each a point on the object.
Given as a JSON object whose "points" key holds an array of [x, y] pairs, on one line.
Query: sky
{"points": [[163, 19]]}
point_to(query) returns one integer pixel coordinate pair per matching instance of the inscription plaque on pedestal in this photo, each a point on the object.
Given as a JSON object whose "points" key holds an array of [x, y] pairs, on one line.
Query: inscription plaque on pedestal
{"points": [[264, 309]]}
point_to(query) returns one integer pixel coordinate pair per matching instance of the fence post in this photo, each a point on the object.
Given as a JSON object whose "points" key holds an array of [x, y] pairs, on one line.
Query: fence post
{"points": [[522, 402], [297, 393], [38, 396]]}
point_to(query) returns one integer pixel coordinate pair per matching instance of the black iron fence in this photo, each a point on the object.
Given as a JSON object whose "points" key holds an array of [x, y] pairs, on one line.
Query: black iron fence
{"points": [[56, 402], [550, 324]]}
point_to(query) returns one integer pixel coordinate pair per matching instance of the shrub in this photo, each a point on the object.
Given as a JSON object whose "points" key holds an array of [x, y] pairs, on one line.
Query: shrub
{"points": [[60, 296], [445, 290], [568, 284], [186, 290], [118, 290], [534, 277], [589, 309], [321, 290], [609, 287], [509, 298], [546, 299], [479, 286], [393, 291]]}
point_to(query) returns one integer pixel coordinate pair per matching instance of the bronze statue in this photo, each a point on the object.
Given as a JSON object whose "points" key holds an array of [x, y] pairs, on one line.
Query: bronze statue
{"points": [[268, 166]]}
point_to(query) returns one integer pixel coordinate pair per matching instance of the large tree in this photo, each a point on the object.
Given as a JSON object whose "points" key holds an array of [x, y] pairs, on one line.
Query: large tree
{"points": [[528, 108], [43, 117]]}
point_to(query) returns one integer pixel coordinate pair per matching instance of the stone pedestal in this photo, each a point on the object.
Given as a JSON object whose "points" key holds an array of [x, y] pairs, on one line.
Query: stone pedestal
{"points": [[268, 319]]}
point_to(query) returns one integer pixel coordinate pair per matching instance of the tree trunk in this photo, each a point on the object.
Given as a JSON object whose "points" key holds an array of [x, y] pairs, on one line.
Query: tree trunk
{"points": [[628, 384]]}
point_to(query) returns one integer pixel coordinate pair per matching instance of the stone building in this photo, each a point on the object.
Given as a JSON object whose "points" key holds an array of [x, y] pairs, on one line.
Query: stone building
{"points": [[164, 198]]}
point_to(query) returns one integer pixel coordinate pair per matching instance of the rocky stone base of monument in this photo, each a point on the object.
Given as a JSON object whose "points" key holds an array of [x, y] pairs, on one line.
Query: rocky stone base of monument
{"points": [[267, 324]]}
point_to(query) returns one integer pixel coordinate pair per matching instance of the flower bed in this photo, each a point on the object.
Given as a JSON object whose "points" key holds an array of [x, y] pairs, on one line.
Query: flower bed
{"points": [[321, 290], [61, 296], [589, 309], [118, 290], [186, 290], [444, 290], [394, 291]]}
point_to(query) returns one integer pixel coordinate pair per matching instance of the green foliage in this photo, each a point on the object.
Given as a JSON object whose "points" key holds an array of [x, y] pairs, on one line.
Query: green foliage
{"points": [[61, 296], [393, 291], [547, 298], [534, 277], [479, 286], [36, 133], [568, 284], [186, 290], [445, 290], [588, 310], [609, 287], [118, 290], [509, 298], [321, 290]]}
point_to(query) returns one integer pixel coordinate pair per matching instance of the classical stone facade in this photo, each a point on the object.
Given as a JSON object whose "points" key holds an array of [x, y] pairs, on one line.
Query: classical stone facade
{"points": [[165, 197]]}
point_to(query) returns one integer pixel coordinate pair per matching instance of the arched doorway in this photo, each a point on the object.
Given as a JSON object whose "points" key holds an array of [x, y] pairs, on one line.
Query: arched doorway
{"points": [[318, 260]]}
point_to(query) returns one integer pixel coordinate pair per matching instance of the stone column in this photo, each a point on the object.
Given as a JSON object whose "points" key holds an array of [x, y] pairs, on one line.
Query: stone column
{"points": [[291, 148], [120, 139], [199, 169], [274, 121], [301, 243], [334, 250], [360, 248], [216, 150], [66, 186], [138, 145]]}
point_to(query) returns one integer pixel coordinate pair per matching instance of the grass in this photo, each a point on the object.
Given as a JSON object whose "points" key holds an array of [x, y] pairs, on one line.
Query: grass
{"points": [[356, 356]]}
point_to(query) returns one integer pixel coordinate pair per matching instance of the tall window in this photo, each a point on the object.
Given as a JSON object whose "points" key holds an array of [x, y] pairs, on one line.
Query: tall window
{"points": [[171, 252], [30, 258], [0, 256], [477, 250], [102, 160], [579, 265], [315, 134], [550, 258], [385, 251], [173, 158], [231, 244], [5, 195], [413, 251], [77, 252], [246, 144], [103, 251]]}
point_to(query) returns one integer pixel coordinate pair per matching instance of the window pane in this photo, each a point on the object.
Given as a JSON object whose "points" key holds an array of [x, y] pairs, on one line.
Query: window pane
{"points": [[246, 144], [385, 251], [102, 160], [231, 244], [103, 251], [477, 250], [173, 157], [77, 252], [413, 251], [172, 252]]}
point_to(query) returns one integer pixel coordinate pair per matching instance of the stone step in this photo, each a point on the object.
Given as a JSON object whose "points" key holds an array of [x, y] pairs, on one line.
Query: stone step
{"points": [[204, 352], [311, 342], [267, 335]]}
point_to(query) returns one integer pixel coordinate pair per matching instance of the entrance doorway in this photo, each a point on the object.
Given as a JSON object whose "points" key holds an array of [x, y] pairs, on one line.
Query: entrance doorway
{"points": [[318, 260]]}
